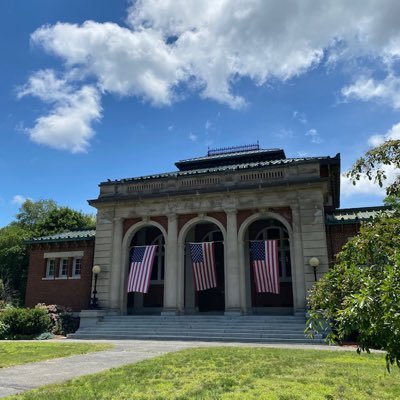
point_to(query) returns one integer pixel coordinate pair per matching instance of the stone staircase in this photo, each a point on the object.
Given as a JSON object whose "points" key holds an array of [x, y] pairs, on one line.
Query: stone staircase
{"points": [[249, 328]]}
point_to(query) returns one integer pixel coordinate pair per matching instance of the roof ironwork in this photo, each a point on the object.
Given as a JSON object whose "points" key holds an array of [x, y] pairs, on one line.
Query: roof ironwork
{"points": [[233, 149]]}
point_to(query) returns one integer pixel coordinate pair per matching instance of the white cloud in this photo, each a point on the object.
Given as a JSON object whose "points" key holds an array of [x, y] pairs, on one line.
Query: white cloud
{"points": [[392, 134], [193, 137], [368, 187], [19, 199], [314, 135], [171, 128], [386, 90], [206, 46], [68, 124], [299, 116]]}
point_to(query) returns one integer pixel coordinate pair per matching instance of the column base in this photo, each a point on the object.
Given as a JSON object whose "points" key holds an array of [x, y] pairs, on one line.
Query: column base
{"points": [[89, 318]]}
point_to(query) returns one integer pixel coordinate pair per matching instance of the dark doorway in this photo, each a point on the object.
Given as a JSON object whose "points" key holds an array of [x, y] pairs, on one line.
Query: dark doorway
{"points": [[151, 302], [211, 300], [271, 229]]}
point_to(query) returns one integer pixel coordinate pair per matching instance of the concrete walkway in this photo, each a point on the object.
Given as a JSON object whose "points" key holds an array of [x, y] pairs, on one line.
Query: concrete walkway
{"points": [[30, 376]]}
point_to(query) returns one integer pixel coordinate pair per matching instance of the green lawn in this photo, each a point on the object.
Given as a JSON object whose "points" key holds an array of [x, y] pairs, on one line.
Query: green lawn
{"points": [[13, 353], [237, 373]]}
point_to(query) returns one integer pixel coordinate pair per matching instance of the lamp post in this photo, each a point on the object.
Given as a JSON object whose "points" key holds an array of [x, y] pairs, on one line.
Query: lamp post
{"points": [[314, 262], [96, 271]]}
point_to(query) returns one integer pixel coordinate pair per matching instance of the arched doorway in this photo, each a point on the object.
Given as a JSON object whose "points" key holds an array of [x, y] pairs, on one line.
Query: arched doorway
{"points": [[271, 229], [153, 301], [210, 300]]}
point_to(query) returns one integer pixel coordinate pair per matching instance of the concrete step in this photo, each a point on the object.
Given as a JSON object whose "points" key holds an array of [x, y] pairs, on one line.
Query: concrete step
{"points": [[199, 328], [245, 339], [207, 325], [262, 329]]}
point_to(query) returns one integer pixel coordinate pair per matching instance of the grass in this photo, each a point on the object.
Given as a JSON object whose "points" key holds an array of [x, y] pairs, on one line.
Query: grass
{"points": [[237, 373], [14, 353]]}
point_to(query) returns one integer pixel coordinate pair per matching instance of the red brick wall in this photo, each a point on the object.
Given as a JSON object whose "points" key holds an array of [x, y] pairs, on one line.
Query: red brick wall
{"points": [[337, 236], [73, 293]]}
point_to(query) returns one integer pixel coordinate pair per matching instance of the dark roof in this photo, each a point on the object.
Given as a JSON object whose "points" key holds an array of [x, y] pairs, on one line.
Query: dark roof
{"points": [[87, 234], [233, 157], [354, 215], [230, 167]]}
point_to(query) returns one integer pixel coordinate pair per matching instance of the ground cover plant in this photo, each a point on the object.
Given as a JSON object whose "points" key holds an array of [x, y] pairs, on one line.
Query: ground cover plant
{"points": [[237, 373], [14, 353]]}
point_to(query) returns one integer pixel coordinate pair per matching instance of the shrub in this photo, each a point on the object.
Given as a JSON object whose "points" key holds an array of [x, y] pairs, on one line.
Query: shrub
{"points": [[23, 323], [62, 319], [4, 328]]}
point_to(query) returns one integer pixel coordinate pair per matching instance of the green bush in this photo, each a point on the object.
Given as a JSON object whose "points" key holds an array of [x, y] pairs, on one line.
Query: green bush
{"points": [[23, 323], [62, 319], [4, 328]]}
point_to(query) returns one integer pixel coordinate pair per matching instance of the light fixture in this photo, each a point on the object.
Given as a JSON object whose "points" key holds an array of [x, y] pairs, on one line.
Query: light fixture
{"points": [[314, 262], [94, 302]]}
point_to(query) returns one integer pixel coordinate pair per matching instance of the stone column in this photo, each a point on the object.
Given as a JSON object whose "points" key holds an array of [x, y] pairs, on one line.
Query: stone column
{"points": [[296, 250], [232, 273], [171, 267], [116, 265]]}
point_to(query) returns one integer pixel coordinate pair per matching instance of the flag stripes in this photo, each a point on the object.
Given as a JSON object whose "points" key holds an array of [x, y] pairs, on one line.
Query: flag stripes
{"points": [[203, 263], [265, 262], [140, 269]]}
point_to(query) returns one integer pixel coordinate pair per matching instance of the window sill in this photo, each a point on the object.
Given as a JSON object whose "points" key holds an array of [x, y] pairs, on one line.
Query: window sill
{"points": [[61, 277], [48, 278], [75, 277]]}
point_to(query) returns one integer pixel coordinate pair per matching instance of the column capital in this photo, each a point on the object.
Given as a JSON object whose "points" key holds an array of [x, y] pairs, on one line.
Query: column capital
{"points": [[117, 219], [231, 211], [172, 216]]}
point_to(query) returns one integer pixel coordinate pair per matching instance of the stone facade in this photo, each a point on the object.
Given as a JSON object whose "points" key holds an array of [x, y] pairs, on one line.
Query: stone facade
{"points": [[228, 196]]}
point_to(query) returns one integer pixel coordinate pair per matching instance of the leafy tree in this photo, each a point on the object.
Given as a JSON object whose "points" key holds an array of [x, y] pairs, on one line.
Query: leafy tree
{"points": [[13, 256], [32, 214], [371, 165], [361, 293], [62, 219], [393, 201]]}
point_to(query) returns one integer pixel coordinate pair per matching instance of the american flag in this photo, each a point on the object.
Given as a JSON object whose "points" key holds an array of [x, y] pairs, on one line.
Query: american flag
{"points": [[203, 265], [265, 262], [141, 266]]}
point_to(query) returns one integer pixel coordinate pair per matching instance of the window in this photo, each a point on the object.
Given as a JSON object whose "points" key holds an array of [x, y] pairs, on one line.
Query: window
{"points": [[50, 268], [76, 269], [63, 273]]}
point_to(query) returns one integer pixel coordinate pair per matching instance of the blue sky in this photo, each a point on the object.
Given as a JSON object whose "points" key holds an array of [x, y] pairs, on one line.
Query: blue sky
{"points": [[144, 84]]}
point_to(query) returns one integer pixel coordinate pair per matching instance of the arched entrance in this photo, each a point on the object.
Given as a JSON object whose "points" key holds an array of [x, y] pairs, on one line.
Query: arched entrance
{"points": [[153, 301], [210, 300], [270, 229]]}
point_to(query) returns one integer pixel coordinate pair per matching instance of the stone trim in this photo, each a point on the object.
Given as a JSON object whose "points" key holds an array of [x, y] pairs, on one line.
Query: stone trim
{"points": [[63, 254]]}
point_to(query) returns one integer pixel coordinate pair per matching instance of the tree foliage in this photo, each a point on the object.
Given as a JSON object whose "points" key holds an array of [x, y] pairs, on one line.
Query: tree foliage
{"points": [[361, 293], [32, 214], [35, 218], [372, 166]]}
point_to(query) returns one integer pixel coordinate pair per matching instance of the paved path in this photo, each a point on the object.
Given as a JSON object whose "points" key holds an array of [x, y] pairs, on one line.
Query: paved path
{"points": [[29, 376]]}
